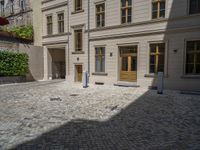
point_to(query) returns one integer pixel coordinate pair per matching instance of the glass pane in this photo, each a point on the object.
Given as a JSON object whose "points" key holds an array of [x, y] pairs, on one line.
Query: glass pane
{"points": [[123, 3], [189, 68], [97, 8], [190, 45], [162, 5], [103, 20], [103, 65], [152, 59], [154, 15], [198, 43], [198, 58], [124, 63], [198, 69], [127, 50], [152, 68], [161, 47], [154, 7], [123, 12], [190, 58], [98, 64], [123, 19], [161, 59], [129, 19], [153, 48], [129, 2], [194, 6], [133, 63], [162, 14]]}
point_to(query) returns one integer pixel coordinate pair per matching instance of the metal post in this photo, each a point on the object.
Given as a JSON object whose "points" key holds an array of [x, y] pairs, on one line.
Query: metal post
{"points": [[160, 82]]}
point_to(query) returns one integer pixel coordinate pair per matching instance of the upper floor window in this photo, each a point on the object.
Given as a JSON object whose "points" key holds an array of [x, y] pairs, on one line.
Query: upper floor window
{"points": [[2, 7], [61, 23], [157, 57], [158, 9], [100, 59], [78, 39], [193, 57], [22, 5], [78, 5], [49, 25], [100, 15], [126, 11], [194, 6]]}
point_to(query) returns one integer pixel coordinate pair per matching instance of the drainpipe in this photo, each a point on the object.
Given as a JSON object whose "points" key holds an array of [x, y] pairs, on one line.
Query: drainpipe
{"points": [[88, 37], [68, 65]]}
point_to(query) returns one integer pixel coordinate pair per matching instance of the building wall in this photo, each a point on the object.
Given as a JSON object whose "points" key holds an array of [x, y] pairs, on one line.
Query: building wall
{"points": [[174, 30], [18, 17]]}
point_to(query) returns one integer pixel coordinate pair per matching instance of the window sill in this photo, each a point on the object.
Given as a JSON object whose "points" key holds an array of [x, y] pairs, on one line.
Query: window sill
{"points": [[100, 73], [76, 12], [154, 76], [190, 77], [78, 52]]}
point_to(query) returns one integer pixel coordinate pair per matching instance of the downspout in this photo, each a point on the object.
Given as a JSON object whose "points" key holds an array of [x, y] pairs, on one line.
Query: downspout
{"points": [[88, 37], [68, 65]]}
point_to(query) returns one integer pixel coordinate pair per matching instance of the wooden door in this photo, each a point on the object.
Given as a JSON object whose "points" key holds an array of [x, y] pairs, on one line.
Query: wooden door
{"points": [[128, 69], [78, 73]]}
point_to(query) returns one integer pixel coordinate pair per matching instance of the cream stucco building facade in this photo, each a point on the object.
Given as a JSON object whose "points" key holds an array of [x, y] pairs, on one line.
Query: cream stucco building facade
{"points": [[121, 41]]}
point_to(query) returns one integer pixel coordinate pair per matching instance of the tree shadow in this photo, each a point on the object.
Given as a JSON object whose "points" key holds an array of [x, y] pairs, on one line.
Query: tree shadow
{"points": [[151, 122]]}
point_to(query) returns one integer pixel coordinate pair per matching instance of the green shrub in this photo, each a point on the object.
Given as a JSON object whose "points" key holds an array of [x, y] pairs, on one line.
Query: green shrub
{"points": [[13, 64]]}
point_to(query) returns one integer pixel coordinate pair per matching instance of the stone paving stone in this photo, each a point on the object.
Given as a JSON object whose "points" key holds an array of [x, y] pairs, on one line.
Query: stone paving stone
{"points": [[57, 115]]}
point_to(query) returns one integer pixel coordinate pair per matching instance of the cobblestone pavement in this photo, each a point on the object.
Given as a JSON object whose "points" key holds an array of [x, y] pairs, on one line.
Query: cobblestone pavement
{"points": [[58, 115]]}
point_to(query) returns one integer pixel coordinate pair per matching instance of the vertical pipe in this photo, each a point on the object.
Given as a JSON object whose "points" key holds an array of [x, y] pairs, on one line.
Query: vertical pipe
{"points": [[89, 37], [68, 65]]}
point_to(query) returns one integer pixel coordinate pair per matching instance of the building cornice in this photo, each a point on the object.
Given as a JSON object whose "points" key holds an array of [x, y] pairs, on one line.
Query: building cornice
{"points": [[46, 1], [54, 6], [55, 42], [55, 35], [145, 33]]}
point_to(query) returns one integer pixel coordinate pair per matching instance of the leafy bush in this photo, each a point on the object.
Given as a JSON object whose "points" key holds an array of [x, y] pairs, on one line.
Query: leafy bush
{"points": [[25, 32], [13, 64]]}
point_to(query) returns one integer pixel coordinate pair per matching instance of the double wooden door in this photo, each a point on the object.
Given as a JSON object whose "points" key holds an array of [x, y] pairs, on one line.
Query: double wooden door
{"points": [[128, 61]]}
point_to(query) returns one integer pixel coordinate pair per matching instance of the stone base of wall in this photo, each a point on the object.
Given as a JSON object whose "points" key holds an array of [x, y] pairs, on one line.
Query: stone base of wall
{"points": [[15, 79]]}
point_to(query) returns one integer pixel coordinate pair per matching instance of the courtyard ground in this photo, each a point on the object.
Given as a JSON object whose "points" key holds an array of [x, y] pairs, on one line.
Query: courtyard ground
{"points": [[58, 115]]}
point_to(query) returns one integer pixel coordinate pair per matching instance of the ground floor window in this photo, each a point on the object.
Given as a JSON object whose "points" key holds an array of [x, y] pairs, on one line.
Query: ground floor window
{"points": [[193, 57], [100, 59], [157, 57]]}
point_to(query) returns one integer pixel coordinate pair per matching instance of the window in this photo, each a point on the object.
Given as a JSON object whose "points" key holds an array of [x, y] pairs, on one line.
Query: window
{"points": [[49, 25], [126, 11], [158, 9], [100, 59], [61, 23], [193, 57], [78, 5], [194, 6], [100, 15], [157, 57], [22, 5], [2, 8], [78, 40]]}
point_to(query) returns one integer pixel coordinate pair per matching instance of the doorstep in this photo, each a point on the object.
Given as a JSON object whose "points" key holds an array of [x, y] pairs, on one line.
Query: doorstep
{"points": [[126, 84]]}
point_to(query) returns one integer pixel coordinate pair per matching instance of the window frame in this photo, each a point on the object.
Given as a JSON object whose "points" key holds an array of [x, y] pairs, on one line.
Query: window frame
{"points": [[185, 58], [189, 11], [22, 7], [101, 13], [75, 6], [101, 56], [59, 22], [127, 7], [49, 23], [158, 9], [77, 49], [2, 8]]}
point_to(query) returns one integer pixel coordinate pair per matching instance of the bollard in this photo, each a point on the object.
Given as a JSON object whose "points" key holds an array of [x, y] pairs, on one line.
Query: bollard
{"points": [[160, 83], [85, 79]]}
